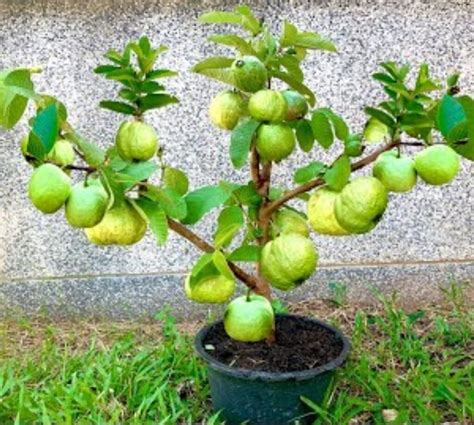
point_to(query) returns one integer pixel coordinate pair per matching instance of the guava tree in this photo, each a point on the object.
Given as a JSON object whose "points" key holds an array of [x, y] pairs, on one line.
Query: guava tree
{"points": [[269, 113]]}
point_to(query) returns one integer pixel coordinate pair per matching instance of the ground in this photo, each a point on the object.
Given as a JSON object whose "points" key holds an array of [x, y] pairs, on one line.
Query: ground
{"points": [[408, 366]]}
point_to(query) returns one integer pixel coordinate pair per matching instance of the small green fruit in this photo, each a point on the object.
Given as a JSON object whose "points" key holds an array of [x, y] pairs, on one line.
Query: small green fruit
{"points": [[268, 105], [437, 164], [353, 146], [361, 204], [121, 225], [176, 180], [297, 105], [211, 289], [289, 221], [376, 131], [250, 74], [397, 174], [321, 213], [288, 260], [48, 188], [136, 140], [275, 142], [62, 153], [86, 205], [249, 320], [226, 109]]}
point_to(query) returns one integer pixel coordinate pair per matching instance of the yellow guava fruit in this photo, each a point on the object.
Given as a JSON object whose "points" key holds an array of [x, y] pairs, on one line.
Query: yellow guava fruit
{"points": [[226, 109], [215, 289], [136, 140], [321, 213], [268, 105], [289, 221], [250, 74], [397, 174], [437, 164], [62, 153], [297, 105], [86, 205], [275, 142]]}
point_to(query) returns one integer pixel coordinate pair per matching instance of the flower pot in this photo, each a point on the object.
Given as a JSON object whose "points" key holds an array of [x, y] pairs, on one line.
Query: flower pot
{"points": [[269, 398]]}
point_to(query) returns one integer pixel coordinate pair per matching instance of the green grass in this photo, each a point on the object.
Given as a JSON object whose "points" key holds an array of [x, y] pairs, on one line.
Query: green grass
{"points": [[415, 366]]}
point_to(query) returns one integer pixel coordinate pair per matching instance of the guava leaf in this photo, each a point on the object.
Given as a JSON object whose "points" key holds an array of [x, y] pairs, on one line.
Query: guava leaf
{"points": [[249, 21], [45, 127], [229, 222], [337, 176], [156, 100], [115, 106], [322, 129], [467, 149], [133, 173], [381, 116], [450, 113], [161, 73], [92, 153], [341, 129], [174, 205], [233, 40], [313, 40], [248, 253], [308, 172], [304, 135], [241, 141], [215, 17], [219, 260], [15, 89], [216, 62], [295, 84], [200, 201], [156, 218]]}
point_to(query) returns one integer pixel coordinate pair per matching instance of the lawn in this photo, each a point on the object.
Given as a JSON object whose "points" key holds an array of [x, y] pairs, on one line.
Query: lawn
{"points": [[406, 367]]}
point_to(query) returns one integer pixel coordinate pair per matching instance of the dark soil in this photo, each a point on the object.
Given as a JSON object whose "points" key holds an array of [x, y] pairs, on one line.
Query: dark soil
{"points": [[300, 345]]}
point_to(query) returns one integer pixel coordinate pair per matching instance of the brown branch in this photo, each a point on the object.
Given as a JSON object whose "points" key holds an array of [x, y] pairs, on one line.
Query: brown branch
{"points": [[255, 166]]}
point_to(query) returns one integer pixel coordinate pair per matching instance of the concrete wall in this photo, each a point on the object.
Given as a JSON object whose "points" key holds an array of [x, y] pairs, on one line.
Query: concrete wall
{"points": [[424, 240]]}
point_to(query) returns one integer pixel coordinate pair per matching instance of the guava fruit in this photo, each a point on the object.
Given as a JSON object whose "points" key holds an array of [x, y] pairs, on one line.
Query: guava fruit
{"points": [[86, 205], [226, 109], [397, 174], [250, 74], [376, 131], [289, 221], [136, 140], [121, 225], [249, 319], [297, 106], [215, 289], [267, 105], [62, 153], [48, 188], [176, 180], [288, 260], [437, 164], [322, 215], [275, 142], [361, 204]]}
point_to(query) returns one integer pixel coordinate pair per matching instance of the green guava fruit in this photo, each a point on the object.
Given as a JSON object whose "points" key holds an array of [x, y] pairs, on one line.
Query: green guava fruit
{"points": [[250, 74], [275, 142], [136, 140], [249, 319], [361, 204], [86, 205], [176, 180], [322, 215], [288, 260], [376, 131], [437, 164], [289, 221], [121, 225], [353, 145], [211, 289], [226, 109], [48, 188], [62, 153], [397, 174], [297, 105], [268, 105]]}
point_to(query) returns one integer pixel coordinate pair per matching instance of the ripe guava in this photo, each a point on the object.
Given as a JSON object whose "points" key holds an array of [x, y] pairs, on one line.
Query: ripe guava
{"points": [[121, 225], [48, 188], [289, 221], [250, 74], [86, 205], [375, 131], [136, 140], [397, 174], [361, 204], [437, 164], [275, 142], [297, 105], [249, 320], [288, 260], [215, 289], [321, 213], [62, 153], [268, 105], [176, 180], [226, 109]]}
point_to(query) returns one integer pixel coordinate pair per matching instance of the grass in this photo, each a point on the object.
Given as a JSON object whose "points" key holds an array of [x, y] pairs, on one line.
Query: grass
{"points": [[410, 367]]}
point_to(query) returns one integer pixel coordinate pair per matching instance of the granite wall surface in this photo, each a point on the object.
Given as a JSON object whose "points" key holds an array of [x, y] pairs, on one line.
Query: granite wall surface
{"points": [[426, 236]]}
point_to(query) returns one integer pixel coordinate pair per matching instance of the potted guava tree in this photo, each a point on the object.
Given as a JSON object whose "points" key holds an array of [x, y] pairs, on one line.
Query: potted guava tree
{"points": [[261, 364]]}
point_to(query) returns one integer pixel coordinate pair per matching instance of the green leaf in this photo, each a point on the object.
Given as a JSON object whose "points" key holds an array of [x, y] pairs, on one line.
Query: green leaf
{"points": [[229, 222], [233, 40], [151, 87], [381, 116], [450, 113], [15, 88], [157, 100], [136, 172], [295, 84], [453, 80], [249, 253], [174, 205], [121, 107], [312, 40], [340, 127], [114, 56], [203, 261], [92, 153], [160, 73], [308, 172], [292, 65], [176, 179], [288, 35], [304, 135], [200, 201], [337, 176], [383, 78], [241, 140], [105, 69], [467, 150], [416, 119], [121, 74], [156, 218], [220, 262], [213, 63], [322, 129], [45, 127], [249, 21], [215, 17]]}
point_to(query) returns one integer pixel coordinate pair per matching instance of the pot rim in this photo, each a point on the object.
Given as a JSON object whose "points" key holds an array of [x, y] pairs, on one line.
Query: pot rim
{"points": [[274, 376]]}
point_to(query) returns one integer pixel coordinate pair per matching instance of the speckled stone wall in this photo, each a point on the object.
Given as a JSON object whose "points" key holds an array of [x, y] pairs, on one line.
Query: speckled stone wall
{"points": [[424, 240]]}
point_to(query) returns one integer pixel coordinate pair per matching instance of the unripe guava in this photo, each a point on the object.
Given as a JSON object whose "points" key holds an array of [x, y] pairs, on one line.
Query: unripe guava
{"points": [[136, 140], [289, 221], [48, 188], [322, 215], [249, 320], [361, 204], [297, 105], [62, 153], [250, 74], [176, 180], [226, 109], [268, 105], [86, 205], [288, 260], [437, 164], [211, 289], [376, 131], [397, 174], [121, 225], [275, 142]]}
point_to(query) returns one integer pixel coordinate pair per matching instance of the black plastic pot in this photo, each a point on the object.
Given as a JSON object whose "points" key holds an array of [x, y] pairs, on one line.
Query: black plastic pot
{"points": [[266, 398]]}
